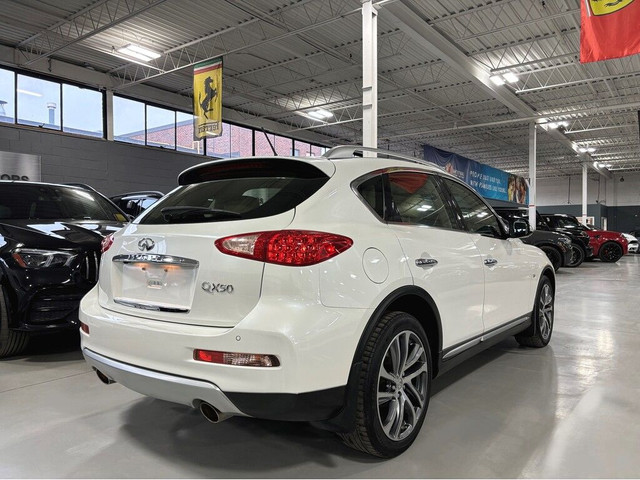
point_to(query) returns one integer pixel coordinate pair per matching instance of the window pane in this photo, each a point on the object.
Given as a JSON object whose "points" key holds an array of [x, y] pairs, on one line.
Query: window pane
{"points": [[82, 111], [301, 149], [241, 141], [477, 216], [284, 146], [184, 130], [161, 127], [38, 102], [415, 198], [220, 146], [262, 145], [317, 150], [372, 191], [128, 120], [7, 103]]}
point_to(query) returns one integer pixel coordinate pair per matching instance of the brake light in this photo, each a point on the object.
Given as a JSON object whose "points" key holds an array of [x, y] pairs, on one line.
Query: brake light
{"points": [[106, 243], [296, 248], [237, 359]]}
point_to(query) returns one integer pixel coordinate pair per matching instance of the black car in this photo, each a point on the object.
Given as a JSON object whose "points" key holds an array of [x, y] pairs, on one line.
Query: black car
{"points": [[134, 203], [556, 245], [50, 238], [580, 248]]}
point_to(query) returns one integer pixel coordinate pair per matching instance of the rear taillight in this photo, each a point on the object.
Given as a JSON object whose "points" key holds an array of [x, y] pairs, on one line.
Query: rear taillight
{"points": [[106, 243], [296, 248]]}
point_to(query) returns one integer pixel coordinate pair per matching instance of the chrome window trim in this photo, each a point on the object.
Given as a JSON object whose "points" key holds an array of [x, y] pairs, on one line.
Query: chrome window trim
{"points": [[155, 258]]}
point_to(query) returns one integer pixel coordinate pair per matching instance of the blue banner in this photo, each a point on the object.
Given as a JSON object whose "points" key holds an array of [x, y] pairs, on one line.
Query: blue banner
{"points": [[488, 181]]}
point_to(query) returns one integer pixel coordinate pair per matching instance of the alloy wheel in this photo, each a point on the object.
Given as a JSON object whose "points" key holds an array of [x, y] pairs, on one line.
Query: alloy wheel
{"points": [[545, 311], [402, 385]]}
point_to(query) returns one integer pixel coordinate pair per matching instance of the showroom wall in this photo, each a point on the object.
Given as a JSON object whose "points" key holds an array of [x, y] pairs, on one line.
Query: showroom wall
{"points": [[618, 201], [110, 167]]}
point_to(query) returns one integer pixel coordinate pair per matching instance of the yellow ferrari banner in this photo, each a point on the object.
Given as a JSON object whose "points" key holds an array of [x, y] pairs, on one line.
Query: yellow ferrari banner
{"points": [[207, 99]]}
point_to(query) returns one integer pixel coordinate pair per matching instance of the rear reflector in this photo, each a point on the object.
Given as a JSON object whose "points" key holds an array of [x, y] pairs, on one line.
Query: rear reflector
{"points": [[84, 327], [237, 359], [297, 248]]}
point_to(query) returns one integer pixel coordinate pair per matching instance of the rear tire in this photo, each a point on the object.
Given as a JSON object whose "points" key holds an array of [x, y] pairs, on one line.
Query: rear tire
{"points": [[577, 256], [555, 257], [393, 387], [11, 341], [610, 252], [542, 317]]}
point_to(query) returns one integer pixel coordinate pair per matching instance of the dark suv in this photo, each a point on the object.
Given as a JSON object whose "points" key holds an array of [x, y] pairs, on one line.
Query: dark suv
{"points": [[49, 256], [579, 249]]}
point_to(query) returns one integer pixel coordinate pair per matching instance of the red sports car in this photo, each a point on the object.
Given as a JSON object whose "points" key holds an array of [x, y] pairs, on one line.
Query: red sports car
{"points": [[607, 246]]}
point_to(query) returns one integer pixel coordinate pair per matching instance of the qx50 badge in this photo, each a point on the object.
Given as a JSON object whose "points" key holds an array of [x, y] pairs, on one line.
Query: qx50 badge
{"points": [[217, 287], [146, 244]]}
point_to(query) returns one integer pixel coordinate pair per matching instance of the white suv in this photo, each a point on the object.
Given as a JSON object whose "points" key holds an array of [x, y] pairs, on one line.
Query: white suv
{"points": [[329, 289]]}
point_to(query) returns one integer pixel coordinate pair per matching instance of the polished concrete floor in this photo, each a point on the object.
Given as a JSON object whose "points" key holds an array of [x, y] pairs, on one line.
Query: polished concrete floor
{"points": [[569, 410]]}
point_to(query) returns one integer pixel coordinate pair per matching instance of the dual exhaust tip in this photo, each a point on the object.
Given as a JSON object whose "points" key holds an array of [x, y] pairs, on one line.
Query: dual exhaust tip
{"points": [[208, 411]]}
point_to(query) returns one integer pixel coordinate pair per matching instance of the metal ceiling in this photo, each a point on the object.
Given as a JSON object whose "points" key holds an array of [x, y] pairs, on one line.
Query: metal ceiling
{"points": [[286, 57]]}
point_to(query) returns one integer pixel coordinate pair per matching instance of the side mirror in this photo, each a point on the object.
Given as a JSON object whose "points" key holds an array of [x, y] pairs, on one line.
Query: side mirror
{"points": [[519, 227]]}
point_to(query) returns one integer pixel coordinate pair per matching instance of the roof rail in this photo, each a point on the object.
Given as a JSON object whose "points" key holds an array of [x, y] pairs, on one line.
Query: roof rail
{"points": [[346, 151]]}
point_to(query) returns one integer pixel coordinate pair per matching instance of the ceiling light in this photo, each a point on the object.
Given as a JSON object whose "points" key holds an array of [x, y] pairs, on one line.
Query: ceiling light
{"points": [[497, 79], [510, 77], [591, 149], [321, 113], [608, 165], [141, 53], [582, 150], [28, 92]]}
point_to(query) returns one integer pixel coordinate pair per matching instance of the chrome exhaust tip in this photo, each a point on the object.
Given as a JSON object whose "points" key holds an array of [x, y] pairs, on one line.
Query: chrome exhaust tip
{"points": [[104, 379], [211, 413]]}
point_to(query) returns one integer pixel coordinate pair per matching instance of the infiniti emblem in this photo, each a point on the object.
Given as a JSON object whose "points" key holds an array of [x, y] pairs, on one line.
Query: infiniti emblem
{"points": [[146, 244]]}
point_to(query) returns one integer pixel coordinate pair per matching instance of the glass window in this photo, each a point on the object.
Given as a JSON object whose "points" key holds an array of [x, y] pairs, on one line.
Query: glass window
{"points": [[317, 150], [128, 120], [372, 191], [284, 146], [301, 149], [241, 141], [220, 146], [416, 198], [477, 217], [38, 102], [82, 111], [161, 127], [7, 96], [184, 134]]}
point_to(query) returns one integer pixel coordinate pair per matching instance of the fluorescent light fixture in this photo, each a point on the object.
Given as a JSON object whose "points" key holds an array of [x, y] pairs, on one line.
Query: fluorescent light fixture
{"points": [[28, 92], [552, 125], [582, 150], [510, 77], [497, 79], [320, 114], [608, 165], [563, 124], [591, 149], [141, 53]]}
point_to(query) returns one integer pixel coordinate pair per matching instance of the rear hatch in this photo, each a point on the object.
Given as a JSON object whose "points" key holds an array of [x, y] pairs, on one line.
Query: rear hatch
{"points": [[166, 267]]}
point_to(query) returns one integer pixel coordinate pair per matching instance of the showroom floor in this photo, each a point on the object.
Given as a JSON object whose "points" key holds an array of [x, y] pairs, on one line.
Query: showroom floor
{"points": [[570, 410]]}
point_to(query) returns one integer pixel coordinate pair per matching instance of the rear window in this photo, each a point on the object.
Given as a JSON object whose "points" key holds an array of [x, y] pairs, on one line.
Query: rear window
{"points": [[237, 191], [51, 202]]}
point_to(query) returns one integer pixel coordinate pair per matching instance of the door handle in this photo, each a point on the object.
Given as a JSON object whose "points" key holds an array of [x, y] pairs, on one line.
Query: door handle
{"points": [[490, 262], [426, 262]]}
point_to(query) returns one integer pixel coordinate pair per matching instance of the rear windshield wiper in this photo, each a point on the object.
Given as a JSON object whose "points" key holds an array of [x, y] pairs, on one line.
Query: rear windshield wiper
{"points": [[185, 214]]}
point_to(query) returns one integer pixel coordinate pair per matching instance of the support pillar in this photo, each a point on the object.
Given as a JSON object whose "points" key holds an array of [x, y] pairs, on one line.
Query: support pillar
{"points": [[584, 193], [108, 108], [533, 182], [369, 75]]}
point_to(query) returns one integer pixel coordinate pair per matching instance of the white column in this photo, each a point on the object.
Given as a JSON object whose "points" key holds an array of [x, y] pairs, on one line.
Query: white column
{"points": [[532, 174], [369, 75], [584, 192], [109, 117]]}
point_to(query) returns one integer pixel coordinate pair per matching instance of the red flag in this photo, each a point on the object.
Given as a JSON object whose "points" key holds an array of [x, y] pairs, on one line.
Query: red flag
{"points": [[609, 29]]}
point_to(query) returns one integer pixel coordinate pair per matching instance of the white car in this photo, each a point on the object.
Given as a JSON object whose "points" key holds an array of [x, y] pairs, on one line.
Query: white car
{"points": [[633, 243], [329, 289]]}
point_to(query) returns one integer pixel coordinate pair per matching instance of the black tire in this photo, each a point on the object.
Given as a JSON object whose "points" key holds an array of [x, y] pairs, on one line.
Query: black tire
{"points": [[376, 384], [610, 252], [542, 317], [577, 256], [554, 255], [11, 341]]}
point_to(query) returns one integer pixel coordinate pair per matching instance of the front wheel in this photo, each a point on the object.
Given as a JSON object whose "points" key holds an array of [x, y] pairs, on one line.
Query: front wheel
{"points": [[554, 256], [577, 256], [11, 341], [610, 252], [394, 387], [542, 317]]}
